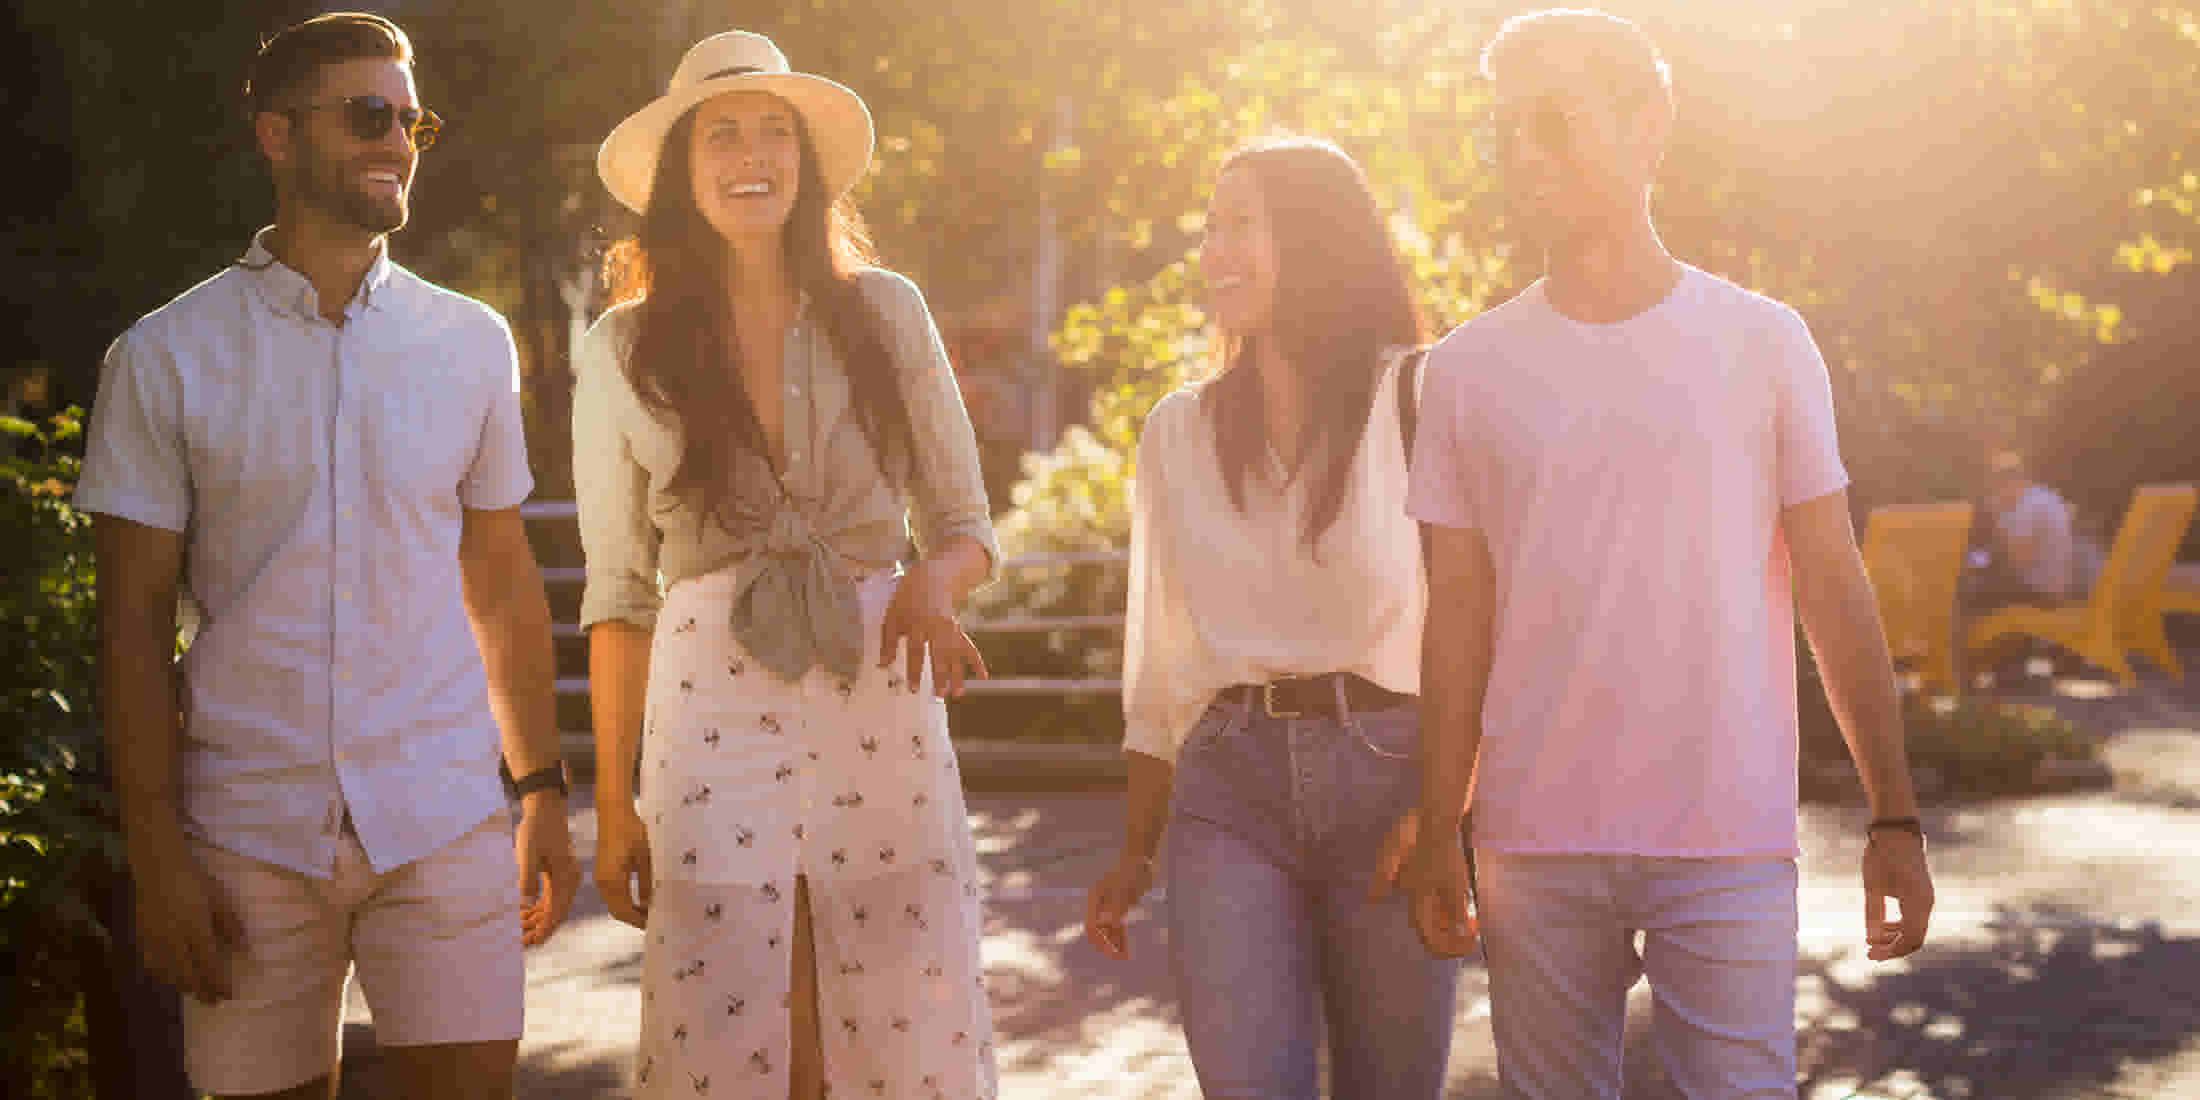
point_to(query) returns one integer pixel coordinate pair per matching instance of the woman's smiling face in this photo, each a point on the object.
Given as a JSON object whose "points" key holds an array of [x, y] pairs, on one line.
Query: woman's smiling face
{"points": [[1238, 254], [745, 163]]}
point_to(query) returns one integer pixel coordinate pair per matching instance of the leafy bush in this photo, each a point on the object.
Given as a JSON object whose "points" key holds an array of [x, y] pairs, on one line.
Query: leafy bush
{"points": [[56, 830], [1140, 342], [1978, 747], [1984, 747]]}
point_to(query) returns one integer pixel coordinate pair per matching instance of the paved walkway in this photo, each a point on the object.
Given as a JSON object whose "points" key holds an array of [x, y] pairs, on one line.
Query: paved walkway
{"points": [[2065, 962]]}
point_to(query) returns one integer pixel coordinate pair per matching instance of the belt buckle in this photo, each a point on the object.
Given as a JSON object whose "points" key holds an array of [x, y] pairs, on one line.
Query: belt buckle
{"points": [[1268, 702]]}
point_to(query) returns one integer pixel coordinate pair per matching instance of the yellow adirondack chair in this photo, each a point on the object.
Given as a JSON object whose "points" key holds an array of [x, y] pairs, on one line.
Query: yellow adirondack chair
{"points": [[2181, 592], [1914, 554], [2124, 612]]}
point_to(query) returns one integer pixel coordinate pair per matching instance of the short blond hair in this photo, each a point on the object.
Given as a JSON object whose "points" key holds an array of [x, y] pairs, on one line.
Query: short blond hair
{"points": [[1613, 50]]}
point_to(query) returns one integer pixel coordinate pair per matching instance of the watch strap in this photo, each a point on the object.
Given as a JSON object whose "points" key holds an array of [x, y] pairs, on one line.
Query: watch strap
{"points": [[541, 779]]}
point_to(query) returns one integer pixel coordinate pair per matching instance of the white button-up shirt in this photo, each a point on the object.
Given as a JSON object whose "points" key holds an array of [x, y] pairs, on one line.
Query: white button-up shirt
{"points": [[1222, 596], [319, 474]]}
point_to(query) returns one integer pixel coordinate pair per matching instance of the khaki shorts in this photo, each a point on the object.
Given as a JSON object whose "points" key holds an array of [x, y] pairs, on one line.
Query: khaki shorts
{"points": [[435, 942]]}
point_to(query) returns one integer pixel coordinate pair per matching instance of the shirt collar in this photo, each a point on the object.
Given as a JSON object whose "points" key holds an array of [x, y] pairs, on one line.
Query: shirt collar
{"points": [[288, 291]]}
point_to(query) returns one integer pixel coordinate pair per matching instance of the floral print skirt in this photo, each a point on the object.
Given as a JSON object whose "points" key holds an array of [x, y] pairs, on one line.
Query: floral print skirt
{"points": [[749, 781]]}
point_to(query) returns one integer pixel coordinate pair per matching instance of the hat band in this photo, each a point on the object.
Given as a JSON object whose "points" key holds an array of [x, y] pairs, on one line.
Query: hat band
{"points": [[737, 70]]}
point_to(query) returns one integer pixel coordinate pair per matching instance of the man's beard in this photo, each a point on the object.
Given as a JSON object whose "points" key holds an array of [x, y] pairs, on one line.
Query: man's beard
{"points": [[327, 185]]}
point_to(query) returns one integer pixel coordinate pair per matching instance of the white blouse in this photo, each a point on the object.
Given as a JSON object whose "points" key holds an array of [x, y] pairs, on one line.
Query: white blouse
{"points": [[1221, 597]]}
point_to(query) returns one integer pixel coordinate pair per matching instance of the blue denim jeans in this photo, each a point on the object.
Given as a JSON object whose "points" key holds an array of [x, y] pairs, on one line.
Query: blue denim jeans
{"points": [[1275, 827]]}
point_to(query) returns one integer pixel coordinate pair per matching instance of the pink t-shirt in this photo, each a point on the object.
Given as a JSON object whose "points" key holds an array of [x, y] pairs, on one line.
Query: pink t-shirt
{"points": [[1629, 479]]}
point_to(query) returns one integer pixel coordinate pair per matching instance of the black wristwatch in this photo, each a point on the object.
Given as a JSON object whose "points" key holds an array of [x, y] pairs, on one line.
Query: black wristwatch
{"points": [[551, 778]]}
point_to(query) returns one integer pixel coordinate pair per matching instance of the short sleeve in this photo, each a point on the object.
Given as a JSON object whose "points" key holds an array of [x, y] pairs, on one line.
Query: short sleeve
{"points": [[1809, 451], [1160, 640], [1442, 486], [136, 466], [499, 477], [610, 490], [949, 488]]}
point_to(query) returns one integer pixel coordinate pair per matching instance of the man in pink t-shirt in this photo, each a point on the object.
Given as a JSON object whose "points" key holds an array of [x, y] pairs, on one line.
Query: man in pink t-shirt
{"points": [[1630, 481]]}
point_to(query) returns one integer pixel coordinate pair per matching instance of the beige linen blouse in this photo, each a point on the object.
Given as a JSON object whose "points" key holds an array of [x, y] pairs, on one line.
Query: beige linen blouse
{"points": [[1219, 597], [795, 604]]}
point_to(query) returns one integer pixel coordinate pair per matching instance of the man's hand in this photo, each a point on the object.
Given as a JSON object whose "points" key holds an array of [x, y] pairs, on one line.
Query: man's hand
{"points": [[1390, 864], [1436, 880], [549, 876], [187, 929], [622, 856], [921, 618], [1110, 901], [1894, 867]]}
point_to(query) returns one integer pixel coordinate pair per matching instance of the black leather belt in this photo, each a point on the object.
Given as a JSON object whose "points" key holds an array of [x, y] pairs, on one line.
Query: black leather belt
{"points": [[1294, 696]]}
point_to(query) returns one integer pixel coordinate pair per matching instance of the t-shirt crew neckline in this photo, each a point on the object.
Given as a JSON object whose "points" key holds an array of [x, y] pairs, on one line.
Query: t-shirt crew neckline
{"points": [[1683, 289]]}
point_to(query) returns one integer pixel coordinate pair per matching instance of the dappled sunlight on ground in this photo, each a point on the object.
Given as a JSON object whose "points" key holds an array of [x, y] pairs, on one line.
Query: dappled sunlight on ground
{"points": [[2063, 965], [2050, 1005]]}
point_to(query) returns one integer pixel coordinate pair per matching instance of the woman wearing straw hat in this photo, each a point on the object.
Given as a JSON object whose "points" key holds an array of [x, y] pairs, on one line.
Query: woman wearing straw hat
{"points": [[756, 425]]}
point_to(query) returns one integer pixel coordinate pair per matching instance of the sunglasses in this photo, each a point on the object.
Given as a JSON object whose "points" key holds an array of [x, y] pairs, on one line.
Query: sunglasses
{"points": [[1547, 123], [368, 117]]}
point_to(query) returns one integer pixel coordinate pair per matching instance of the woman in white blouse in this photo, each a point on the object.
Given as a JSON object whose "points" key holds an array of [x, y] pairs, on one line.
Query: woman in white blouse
{"points": [[1272, 653]]}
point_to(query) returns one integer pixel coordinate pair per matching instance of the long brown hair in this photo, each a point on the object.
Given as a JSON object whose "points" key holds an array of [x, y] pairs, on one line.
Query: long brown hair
{"points": [[1341, 299], [681, 362]]}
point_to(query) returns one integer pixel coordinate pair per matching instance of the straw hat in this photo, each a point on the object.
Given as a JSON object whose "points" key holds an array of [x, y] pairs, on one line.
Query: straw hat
{"points": [[839, 124]]}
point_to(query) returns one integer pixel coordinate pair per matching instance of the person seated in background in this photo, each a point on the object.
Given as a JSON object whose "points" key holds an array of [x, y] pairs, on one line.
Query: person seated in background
{"points": [[2026, 554], [2029, 539]]}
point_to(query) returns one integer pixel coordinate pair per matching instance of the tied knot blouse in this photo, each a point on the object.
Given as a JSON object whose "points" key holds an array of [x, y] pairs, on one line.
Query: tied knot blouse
{"points": [[827, 517]]}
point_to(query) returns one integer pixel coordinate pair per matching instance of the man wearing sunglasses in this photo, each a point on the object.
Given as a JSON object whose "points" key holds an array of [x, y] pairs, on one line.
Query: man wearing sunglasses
{"points": [[1631, 483], [321, 454]]}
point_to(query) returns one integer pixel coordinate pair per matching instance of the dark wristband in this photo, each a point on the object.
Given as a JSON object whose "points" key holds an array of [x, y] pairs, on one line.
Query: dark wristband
{"points": [[551, 778], [1905, 824]]}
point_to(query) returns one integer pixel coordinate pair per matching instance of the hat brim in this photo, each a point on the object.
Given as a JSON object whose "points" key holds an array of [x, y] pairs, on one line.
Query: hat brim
{"points": [[838, 123]]}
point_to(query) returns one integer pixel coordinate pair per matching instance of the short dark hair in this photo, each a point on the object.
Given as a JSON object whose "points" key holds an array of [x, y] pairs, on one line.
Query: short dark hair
{"points": [[294, 56], [1615, 52]]}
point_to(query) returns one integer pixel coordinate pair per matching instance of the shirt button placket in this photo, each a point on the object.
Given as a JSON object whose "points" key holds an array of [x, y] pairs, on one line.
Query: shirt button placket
{"points": [[343, 541]]}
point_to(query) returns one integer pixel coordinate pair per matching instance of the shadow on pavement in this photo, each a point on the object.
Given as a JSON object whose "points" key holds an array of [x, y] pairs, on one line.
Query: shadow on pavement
{"points": [[578, 1068], [2051, 1006]]}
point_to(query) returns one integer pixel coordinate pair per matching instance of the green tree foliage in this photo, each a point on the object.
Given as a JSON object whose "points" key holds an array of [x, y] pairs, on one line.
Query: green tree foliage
{"points": [[1940, 188], [55, 825], [1984, 207]]}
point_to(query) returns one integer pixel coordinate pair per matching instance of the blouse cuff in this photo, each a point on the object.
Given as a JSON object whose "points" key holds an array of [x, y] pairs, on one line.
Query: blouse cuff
{"points": [[1155, 739], [1161, 735], [979, 529], [621, 596]]}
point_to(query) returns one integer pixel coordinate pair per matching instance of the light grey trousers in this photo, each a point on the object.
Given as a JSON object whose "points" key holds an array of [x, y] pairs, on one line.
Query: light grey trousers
{"points": [[1718, 945]]}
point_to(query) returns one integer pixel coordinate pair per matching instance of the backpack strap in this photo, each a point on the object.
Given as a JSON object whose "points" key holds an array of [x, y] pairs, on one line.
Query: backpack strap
{"points": [[1409, 398]]}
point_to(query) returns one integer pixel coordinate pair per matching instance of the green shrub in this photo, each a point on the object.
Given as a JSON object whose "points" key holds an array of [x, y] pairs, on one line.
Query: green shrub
{"points": [[1981, 747], [1977, 747], [56, 829], [1138, 343]]}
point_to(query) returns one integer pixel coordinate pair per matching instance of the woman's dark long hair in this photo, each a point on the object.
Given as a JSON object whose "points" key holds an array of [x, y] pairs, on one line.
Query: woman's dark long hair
{"points": [[683, 361], [1341, 298]]}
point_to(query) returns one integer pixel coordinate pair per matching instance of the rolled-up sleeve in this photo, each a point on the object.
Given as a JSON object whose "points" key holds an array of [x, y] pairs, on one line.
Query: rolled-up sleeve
{"points": [[610, 489], [135, 461], [949, 489]]}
